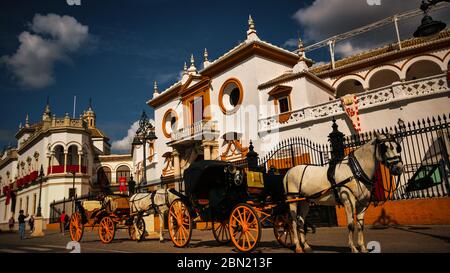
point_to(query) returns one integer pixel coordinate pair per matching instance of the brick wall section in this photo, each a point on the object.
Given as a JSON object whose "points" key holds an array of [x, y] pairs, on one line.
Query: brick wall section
{"points": [[433, 211]]}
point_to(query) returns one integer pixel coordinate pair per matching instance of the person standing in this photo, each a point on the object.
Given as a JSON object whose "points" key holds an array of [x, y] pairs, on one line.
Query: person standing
{"points": [[11, 223], [31, 223], [62, 221], [22, 218]]}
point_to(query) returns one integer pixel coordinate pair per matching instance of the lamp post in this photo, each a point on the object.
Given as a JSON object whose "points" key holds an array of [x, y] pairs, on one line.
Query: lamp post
{"points": [[39, 221], [73, 189], [145, 132], [429, 27], [41, 177]]}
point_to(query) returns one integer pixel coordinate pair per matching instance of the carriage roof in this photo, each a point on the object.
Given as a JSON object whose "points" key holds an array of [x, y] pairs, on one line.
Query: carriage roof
{"points": [[199, 174]]}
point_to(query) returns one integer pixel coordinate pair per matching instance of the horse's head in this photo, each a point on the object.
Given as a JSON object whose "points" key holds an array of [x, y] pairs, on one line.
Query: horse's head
{"points": [[388, 151]]}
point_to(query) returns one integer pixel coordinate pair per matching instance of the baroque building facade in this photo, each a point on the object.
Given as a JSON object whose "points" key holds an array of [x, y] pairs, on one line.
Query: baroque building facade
{"points": [[75, 159], [263, 93]]}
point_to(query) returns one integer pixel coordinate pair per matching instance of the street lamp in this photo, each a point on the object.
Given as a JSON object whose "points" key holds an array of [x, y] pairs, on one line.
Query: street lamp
{"points": [[38, 220], [429, 27], [41, 178], [73, 190], [145, 132]]}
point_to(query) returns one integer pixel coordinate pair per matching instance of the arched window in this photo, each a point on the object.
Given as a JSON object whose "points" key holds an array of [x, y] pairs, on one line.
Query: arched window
{"points": [[350, 86], [123, 171], [422, 69], [383, 78]]}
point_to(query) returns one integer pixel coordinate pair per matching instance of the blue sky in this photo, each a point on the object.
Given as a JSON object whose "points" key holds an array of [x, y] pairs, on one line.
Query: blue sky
{"points": [[123, 46]]}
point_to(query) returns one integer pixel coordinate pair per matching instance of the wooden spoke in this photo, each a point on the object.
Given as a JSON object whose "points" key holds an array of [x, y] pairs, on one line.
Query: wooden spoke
{"points": [[106, 230], [180, 223], [76, 227], [282, 229], [221, 232], [244, 228]]}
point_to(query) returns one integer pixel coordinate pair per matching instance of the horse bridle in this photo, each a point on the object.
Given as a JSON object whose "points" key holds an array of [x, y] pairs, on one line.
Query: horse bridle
{"points": [[388, 161]]}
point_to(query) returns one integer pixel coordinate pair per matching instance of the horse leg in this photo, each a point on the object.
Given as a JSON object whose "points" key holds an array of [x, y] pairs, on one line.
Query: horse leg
{"points": [[360, 228], [349, 205], [161, 224], [304, 209], [293, 211]]}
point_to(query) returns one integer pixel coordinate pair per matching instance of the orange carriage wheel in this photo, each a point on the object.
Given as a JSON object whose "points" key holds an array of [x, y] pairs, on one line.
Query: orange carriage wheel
{"points": [[180, 223], [244, 227], [106, 230], [221, 232], [136, 234], [76, 227], [282, 229]]}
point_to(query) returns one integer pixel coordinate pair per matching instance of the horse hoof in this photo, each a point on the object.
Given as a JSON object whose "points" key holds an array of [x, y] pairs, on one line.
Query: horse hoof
{"points": [[298, 250]]}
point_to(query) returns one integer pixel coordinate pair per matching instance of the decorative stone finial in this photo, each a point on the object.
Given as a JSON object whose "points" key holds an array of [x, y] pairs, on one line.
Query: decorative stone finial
{"points": [[205, 55], [301, 49], [251, 23], [302, 60], [251, 32], [155, 89], [192, 69], [20, 125], [205, 61], [27, 121]]}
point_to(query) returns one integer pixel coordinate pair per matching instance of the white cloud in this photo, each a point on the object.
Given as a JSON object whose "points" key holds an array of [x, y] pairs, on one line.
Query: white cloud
{"points": [[124, 144], [325, 18], [52, 38], [291, 43], [347, 49]]}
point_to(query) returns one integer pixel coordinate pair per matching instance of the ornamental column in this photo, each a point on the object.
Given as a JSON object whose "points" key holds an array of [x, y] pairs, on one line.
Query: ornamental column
{"points": [[206, 151], [80, 154], [65, 161]]}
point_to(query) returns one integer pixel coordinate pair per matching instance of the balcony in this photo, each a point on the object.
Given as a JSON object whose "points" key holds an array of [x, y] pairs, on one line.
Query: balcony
{"points": [[373, 98], [70, 168], [198, 131]]}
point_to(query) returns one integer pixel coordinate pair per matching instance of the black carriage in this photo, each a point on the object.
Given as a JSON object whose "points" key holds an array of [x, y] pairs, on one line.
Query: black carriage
{"points": [[234, 200]]}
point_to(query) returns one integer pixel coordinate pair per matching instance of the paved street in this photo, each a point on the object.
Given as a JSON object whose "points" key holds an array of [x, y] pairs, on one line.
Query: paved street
{"points": [[325, 240]]}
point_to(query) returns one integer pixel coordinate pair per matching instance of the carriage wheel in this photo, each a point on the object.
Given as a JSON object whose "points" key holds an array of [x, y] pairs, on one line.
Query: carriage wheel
{"points": [[282, 229], [107, 230], [245, 228], [76, 227], [180, 223], [136, 234], [221, 232]]}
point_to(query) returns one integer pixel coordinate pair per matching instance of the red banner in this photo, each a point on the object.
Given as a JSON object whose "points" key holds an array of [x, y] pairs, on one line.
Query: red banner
{"points": [[122, 184]]}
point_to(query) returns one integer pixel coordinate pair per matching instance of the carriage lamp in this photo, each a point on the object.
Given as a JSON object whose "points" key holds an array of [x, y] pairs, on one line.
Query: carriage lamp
{"points": [[41, 178], [145, 132], [429, 28]]}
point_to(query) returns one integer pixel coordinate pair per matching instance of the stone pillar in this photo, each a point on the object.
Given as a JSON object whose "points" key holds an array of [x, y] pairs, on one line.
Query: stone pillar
{"points": [[79, 161], [49, 164], [38, 227], [65, 161], [206, 151], [215, 151]]}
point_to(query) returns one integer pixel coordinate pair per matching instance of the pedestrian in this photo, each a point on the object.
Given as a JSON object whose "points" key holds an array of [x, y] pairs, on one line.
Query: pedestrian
{"points": [[22, 218], [31, 223], [62, 221], [11, 223]]}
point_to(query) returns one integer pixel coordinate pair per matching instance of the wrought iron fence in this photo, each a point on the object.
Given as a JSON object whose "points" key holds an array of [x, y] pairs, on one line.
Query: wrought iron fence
{"points": [[425, 154]]}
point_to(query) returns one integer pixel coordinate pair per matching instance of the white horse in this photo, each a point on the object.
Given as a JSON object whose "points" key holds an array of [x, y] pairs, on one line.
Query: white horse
{"points": [[143, 203], [307, 180]]}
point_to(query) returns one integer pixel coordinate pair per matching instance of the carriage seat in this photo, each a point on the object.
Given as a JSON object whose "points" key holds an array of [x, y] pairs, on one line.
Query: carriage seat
{"points": [[91, 205], [119, 205]]}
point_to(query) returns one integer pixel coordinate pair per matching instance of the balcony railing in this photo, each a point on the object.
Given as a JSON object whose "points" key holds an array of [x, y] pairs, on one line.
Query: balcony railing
{"points": [[200, 130], [70, 168], [372, 98]]}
